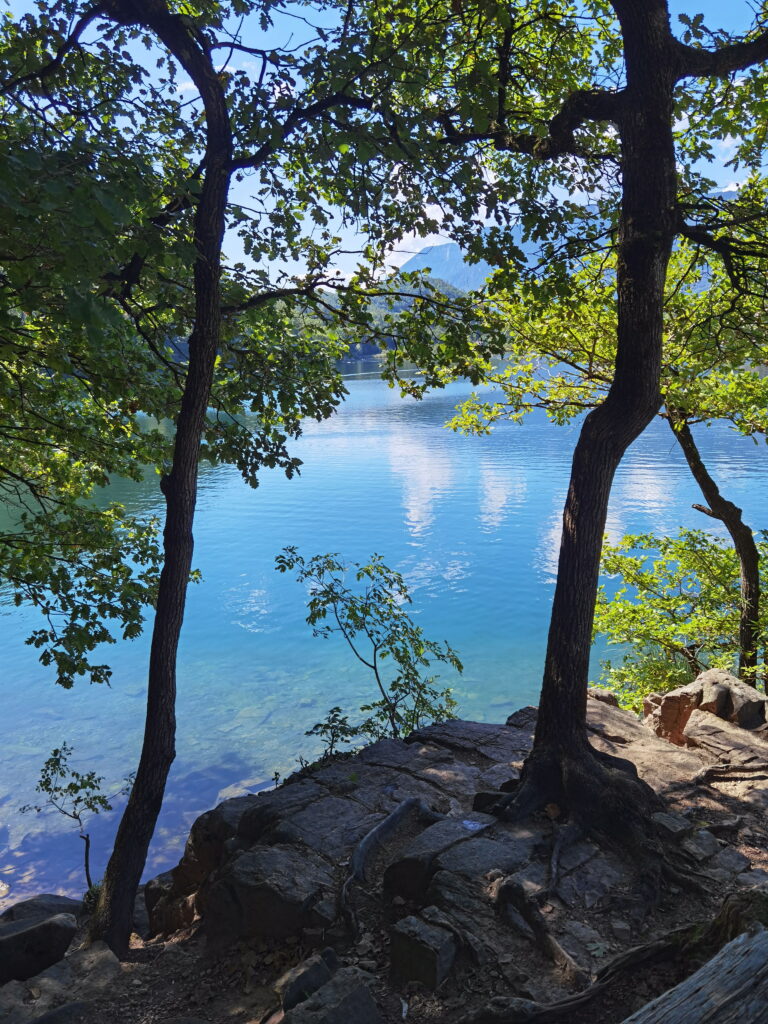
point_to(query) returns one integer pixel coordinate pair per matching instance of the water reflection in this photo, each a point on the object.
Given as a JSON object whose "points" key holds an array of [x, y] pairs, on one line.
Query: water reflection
{"points": [[473, 523]]}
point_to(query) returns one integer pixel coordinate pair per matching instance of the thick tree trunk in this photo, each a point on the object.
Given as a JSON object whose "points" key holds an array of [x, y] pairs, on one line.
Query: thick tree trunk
{"points": [[113, 919], [743, 539]]}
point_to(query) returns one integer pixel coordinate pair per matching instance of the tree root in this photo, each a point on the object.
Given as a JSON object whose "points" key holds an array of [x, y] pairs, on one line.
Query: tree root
{"points": [[512, 893], [564, 836], [604, 797], [691, 944], [726, 771], [371, 842]]}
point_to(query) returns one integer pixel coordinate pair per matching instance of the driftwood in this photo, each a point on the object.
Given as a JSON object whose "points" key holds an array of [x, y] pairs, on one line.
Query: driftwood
{"points": [[732, 988]]}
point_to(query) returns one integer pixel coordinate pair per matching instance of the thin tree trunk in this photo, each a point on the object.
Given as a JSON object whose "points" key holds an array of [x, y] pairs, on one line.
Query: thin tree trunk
{"points": [[113, 919], [743, 539]]}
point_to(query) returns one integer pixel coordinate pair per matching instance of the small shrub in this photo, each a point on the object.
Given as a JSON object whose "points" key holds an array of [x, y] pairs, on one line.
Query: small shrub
{"points": [[374, 622]]}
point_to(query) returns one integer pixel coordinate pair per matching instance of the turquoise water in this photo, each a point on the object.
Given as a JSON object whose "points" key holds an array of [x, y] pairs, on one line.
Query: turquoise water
{"points": [[472, 523]]}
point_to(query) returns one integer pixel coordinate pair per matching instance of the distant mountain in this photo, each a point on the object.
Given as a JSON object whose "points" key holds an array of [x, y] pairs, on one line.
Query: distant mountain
{"points": [[447, 262]]}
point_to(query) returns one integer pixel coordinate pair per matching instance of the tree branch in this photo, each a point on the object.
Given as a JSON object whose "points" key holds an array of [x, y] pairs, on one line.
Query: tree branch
{"points": [[698, 63], [70, 43]]}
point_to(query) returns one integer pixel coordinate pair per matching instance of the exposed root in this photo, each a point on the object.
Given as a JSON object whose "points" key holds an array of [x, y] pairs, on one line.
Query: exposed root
{"points": [[511, 893], [564, 836], [691, 944], [602, 796], [732, 772], [371, 843]]}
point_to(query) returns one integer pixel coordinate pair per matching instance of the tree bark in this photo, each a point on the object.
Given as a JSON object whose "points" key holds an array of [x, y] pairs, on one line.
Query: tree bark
{"points": [[646, 230], [113, 918], [743, 539], [562, 768]]}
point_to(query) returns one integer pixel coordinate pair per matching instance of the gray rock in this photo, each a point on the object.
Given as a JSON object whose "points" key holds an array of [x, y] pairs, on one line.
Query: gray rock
{"points": [[730, 860], [297, 984], [603, 695], [45, 905], [345, 999], [701, 845], [466, 910], [266, 809], [476, 857], [496, 742], [409, 874], [533, 878], [674, 825], [331, 826], [420, 952], [204, 853], [500, 777], [741, 703], [757, 877], [622, 930], [581, 940], [590, 883], [523, 719], [29, 945], [156, 888], [272, 891], [140, 914]]}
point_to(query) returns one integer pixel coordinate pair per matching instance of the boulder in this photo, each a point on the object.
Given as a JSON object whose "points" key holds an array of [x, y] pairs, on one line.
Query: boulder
{"points": [[420, 952], [172, 905], [269, 891], [669, 718], [723, 740], [29, 945], [715, 692], [45, 905], [345, 999], [297, 984], [738, 702], [408, 875]]}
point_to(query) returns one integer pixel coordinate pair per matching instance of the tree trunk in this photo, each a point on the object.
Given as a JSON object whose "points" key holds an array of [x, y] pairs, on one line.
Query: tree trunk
{"points": [[562, 767], [729, 515], [113, 919]]}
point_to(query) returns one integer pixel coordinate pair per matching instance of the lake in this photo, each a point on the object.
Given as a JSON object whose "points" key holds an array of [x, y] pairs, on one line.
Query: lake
{"points": [[472, 523]]}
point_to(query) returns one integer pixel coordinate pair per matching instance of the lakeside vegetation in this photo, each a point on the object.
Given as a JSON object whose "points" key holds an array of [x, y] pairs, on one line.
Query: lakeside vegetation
{"points": [[143, 140]]}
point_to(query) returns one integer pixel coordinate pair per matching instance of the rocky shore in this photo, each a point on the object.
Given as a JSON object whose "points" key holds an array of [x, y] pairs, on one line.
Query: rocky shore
{"points": [[377, 888]]}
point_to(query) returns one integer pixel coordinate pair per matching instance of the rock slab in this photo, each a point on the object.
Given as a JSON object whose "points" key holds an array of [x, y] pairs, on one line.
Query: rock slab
{"points": [[29, 945], [420, 952], [345, 999]]}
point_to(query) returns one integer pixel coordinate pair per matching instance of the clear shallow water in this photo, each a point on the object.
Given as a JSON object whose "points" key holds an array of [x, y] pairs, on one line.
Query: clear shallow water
{"points": [[472, 523]]}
